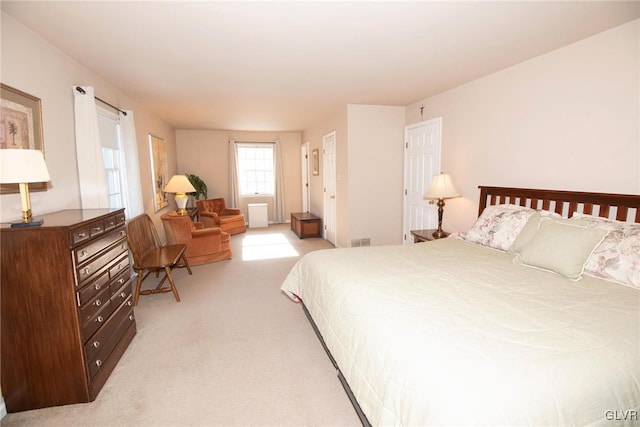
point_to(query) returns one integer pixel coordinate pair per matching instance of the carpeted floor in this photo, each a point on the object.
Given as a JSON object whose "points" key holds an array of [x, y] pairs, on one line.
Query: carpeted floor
{"points": [[234, 352]]}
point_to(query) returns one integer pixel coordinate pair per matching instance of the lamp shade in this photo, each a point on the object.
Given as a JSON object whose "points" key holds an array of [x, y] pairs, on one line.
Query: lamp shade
{"points": [[179, 184], [20, 166], [442, 188]]}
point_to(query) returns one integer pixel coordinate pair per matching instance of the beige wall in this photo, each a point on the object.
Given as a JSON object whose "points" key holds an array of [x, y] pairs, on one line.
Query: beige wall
{"points": [[205, 153], [569, 119], [32, 65], [375, 162]]}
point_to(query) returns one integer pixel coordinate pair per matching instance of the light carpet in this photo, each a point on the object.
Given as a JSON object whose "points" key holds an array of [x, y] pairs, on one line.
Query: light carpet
{"points": [[234, 352]]}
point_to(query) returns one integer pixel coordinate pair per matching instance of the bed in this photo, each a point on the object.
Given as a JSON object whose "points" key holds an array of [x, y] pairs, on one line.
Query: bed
{"points": [[500, 325]]}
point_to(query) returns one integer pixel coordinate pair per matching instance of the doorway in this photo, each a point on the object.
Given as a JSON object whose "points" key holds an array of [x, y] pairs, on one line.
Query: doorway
{"points": [[421, 162], [329, 180]]}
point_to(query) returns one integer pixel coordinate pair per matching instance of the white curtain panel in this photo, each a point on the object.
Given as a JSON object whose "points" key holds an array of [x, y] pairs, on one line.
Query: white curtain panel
{"points": [[135, 205], [279, 208], [91, 173], [234, 190]]}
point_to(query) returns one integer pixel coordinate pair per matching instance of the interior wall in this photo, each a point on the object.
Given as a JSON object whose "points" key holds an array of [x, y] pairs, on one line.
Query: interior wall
{"points": [[23, 55], [338, 123], [376, 161], [566, 120], [206, 153]]}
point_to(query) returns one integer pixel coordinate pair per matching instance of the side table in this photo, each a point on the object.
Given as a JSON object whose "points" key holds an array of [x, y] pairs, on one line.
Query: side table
{"points": [[425, 235]]}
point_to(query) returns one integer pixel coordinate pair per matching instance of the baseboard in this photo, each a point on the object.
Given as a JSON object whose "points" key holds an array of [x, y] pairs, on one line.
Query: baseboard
{"points": [[3, 408]]}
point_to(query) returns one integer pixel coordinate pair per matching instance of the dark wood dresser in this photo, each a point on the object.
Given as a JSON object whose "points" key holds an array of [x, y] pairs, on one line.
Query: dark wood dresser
{"points": [[67, 313]]}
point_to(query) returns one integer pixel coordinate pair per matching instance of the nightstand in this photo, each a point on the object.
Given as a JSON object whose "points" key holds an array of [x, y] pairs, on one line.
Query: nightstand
{"points": [[425, 235]]}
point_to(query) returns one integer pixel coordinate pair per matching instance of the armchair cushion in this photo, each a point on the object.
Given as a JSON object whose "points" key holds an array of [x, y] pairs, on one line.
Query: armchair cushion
{"points": [[203, 244], [214, 213]]}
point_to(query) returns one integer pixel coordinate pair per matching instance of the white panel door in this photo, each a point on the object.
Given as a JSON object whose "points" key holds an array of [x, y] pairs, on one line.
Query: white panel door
{"points": [[304, 166], [421, 163], [329, 175]]}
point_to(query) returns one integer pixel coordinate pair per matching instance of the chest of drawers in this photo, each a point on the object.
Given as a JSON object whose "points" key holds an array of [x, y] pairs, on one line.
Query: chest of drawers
{"points": [[66, 308]]}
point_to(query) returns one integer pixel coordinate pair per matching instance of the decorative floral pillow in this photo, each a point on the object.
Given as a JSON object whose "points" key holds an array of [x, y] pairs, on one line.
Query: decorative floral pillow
{"points": [[499, 225], [617, 258]]}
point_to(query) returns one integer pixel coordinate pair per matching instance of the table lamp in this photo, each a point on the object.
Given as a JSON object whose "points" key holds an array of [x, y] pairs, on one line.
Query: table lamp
{"points": [[180, 185], [441, 188], [22, 167]]}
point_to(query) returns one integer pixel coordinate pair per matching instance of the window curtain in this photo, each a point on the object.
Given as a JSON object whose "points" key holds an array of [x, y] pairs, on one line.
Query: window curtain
{"points": [[91, 173], [234, 190], [133, 186], [279, 207]]}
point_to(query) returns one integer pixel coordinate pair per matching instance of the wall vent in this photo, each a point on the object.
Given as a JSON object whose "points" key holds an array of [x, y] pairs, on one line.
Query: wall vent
{"points": [[361, 242]]}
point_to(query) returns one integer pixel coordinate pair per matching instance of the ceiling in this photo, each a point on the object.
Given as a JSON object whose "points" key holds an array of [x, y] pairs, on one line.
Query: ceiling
{"points": [[282, 66]]}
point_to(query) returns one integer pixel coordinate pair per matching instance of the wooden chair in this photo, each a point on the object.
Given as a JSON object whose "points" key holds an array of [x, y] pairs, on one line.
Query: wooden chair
{"points": [[150, 256]]}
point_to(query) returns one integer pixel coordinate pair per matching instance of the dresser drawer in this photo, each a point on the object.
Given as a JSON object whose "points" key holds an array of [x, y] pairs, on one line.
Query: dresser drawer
{"points": [[85, 252], [85, 271], [88, 311], [119, 281], [99, 347], [118, 296], [121, 265], [86, 293], [99, 318]]}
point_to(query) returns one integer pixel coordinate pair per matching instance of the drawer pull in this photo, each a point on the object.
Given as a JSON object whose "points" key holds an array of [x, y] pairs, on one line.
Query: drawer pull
{"points": [[83, 253], [123, 233], [82, 235], [96, 344], [86, 271], [120, 266], [98, 363], [97, 303], [129, 303], [99, 319], [131, 317], [96, 229], [97, 286], [121, 281], [123, 294]]}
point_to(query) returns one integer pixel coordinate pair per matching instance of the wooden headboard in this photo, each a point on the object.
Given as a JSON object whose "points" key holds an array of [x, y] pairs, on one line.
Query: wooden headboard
{"points": [[622, 207]]}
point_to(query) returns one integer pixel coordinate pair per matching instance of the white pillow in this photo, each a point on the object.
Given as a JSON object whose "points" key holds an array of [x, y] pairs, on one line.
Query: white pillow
{"points": [[561, 248], [617, 258], [531, 228], [499, 225]]}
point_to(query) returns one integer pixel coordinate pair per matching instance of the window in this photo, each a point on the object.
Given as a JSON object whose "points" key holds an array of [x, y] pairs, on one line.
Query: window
{"points": [[109, 127], [256, 169]]}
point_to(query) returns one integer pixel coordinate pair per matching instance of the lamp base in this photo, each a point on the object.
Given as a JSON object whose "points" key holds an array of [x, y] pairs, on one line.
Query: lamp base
{"points": [[32, 223], [439, 234]]}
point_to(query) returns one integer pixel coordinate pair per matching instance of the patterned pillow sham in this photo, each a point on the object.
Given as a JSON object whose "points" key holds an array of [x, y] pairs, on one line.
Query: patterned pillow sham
{"points": [[617, 258], [499, 225]]}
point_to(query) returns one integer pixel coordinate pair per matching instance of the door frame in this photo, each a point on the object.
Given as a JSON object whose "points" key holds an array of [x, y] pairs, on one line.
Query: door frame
{"points": [[306, 184], [329, 176], [406, 237]]}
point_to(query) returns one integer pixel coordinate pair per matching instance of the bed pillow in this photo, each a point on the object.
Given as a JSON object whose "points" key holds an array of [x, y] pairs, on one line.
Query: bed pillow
{"points": [[531, 228], [561, 247], [499, 225], [617, 258]]}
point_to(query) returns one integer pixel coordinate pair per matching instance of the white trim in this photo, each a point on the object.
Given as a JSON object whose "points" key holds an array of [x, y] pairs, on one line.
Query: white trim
{"points": [[3, 408]]}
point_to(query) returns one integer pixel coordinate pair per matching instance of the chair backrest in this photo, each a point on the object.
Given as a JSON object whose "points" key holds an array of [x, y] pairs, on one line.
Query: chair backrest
{"points": [[142, 237], [177, 228], [212, 205]]}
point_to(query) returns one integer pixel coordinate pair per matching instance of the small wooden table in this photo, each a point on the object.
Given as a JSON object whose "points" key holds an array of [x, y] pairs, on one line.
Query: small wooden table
{"points": [[425, 235], [306, 224]]}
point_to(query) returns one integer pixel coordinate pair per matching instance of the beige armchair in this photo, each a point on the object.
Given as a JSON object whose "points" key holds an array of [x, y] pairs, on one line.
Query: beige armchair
{"points": [[203, 244], [214, 213]]}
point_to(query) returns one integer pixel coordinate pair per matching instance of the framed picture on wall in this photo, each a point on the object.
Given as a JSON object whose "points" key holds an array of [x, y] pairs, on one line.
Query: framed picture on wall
{"points": [[20, 128], [159, 171], [315, 157]]}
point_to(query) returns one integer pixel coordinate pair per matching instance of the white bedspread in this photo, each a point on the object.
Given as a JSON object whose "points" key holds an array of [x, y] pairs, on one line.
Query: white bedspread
{"points": [[452, 333]]}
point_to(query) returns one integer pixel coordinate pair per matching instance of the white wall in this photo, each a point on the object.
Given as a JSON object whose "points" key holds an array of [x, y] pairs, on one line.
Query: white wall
{"points": [[566, 120], [205, 153], [32, 65]]}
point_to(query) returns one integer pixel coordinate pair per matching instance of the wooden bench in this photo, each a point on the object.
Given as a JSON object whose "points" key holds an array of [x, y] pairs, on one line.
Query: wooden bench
{"points": [[306, 224]]}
